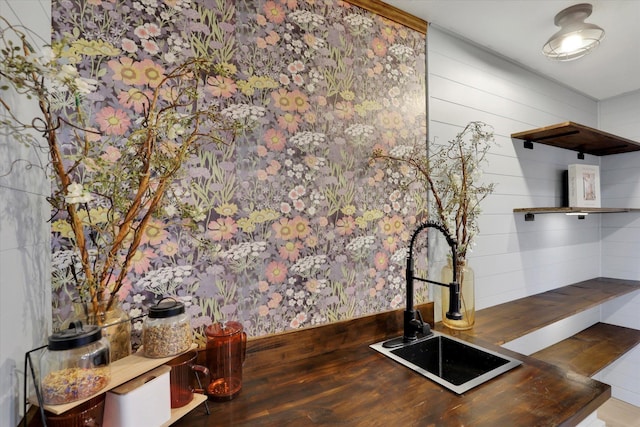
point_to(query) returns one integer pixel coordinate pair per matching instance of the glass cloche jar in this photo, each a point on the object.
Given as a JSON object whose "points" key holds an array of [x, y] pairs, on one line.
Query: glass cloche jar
{"points": [[166, 331], [75, 364]]}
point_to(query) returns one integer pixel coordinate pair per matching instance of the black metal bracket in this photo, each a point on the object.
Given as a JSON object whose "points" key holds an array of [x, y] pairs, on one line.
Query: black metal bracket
{"points": [[531, 217], [528, 144], [28, 367]]}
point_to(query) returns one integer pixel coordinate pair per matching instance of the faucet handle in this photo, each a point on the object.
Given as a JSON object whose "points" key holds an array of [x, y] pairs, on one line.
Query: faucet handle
{"points": [[426, 329], [423, 327]]}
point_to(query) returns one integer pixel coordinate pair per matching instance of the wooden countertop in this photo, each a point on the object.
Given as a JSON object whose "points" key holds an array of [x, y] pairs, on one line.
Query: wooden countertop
{"points": [[357, 387], [329, 376], [505, 322]]}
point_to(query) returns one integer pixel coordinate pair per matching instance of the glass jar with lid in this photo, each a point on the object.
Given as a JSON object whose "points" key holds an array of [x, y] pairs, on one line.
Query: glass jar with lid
{"points": [[166, 331], [75, 364]]}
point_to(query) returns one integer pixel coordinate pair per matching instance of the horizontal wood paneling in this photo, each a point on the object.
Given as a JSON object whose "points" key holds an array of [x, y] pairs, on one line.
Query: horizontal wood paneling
{"points": [[512, 258], [619, 115], [620, 186], [532, 99]]}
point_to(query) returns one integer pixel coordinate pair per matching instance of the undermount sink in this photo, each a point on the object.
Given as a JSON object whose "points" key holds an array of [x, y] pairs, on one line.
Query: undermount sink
{"points": [[450, 362]]}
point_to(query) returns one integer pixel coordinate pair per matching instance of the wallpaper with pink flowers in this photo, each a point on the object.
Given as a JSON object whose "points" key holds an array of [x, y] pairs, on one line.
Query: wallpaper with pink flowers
{"points": [[296, 228]]}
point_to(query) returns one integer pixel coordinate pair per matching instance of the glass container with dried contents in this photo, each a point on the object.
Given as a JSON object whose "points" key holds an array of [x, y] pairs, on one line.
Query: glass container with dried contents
{"points": [[166, 330], [75, 364]]}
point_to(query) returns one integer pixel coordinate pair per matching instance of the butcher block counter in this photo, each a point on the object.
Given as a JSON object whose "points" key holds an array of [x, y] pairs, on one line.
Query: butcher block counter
{"points": [[328, 375]]}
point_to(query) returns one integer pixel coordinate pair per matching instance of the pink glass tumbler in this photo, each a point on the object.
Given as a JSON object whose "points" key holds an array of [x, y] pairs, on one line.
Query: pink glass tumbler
{"points": [[226, 348]]}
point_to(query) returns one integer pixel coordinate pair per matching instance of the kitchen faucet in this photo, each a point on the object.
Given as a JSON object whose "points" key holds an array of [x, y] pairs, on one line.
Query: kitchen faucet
{"points": [[413, 323]]}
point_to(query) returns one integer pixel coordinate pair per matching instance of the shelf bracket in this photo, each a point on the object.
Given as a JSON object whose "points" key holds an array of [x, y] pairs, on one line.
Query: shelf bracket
{"points": [[580, 155], [532, 217], [528, 144]]}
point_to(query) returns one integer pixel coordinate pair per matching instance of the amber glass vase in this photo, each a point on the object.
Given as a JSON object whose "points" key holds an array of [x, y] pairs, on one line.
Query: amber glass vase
{"points": [[115, 323], [467, 296]]}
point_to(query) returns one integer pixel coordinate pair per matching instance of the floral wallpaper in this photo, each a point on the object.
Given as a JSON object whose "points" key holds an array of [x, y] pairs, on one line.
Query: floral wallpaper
{"points": [[295, 226]]}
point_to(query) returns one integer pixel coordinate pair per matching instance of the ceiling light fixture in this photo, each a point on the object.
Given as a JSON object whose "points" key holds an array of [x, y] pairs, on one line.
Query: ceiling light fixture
{"points": [[576, 38]]}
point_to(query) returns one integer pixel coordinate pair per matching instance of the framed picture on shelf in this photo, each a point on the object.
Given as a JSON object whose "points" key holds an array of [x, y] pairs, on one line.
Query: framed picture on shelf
{"points": [[584, 186]]}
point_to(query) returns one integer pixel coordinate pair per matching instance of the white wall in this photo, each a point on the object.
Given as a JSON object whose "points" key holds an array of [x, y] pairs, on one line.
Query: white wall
{"points": [[620, 187], [25, 290], [514, 258], [621, 237], [623, 375]]}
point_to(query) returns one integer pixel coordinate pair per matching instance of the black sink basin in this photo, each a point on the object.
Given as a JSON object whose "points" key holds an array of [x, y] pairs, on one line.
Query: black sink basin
{"points": [[453, 363]]}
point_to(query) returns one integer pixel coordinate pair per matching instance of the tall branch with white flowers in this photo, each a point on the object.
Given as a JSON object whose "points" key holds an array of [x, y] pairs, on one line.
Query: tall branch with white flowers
{"points": [[452, 173], [124, 174]]}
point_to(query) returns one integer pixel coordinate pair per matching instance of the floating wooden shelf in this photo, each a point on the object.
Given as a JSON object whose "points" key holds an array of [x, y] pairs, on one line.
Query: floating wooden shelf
{"points": [[592, 349], [506, 322], [566, 210], [580, 138], [530, 212]]}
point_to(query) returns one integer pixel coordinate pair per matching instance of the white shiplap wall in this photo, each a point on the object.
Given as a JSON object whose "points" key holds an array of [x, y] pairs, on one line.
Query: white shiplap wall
{"points": [[621, 237], [514, 258], [25, 285], [620, 187]]}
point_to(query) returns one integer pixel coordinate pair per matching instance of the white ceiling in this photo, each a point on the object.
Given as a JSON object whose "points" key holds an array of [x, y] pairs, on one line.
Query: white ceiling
{"points": [[517, 29]]}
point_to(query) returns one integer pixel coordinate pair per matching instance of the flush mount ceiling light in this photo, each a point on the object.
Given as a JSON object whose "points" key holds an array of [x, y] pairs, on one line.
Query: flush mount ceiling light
{"points": [[576, 38]]}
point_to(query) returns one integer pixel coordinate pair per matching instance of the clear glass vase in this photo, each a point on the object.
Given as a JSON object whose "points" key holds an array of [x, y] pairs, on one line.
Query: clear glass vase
{"points": [[466, 280], [115, 323]]}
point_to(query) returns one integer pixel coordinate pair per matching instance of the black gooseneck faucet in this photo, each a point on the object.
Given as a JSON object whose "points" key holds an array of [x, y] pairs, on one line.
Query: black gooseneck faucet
{"points": [[414, 324]]}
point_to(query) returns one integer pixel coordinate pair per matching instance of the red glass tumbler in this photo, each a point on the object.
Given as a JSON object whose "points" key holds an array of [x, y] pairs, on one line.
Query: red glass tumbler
{"points": [[182, 378], [226, 348]]}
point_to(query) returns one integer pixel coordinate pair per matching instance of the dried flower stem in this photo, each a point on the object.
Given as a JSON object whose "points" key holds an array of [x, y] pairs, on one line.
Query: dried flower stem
{"points": [[449, 174], [149, 170]]}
